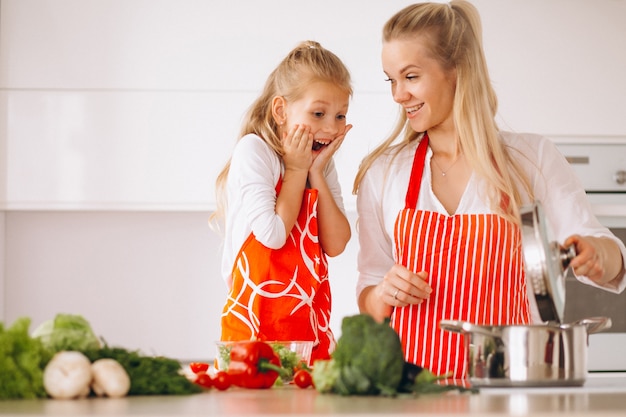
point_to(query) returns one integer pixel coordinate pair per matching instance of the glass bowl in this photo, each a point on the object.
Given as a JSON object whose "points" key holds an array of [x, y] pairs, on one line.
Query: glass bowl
{"points": [[291, 353]]}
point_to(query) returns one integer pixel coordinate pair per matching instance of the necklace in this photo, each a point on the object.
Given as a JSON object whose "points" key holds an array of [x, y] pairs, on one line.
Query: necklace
{"points": [[443, 173]]}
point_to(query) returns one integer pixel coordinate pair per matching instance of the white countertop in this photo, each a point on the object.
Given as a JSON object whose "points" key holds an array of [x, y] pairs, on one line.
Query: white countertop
{"points": [[602, 395]]}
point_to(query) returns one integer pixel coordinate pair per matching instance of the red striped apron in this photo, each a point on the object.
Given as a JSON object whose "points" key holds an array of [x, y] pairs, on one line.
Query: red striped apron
{"points": [[474, 265], [282, 294]]}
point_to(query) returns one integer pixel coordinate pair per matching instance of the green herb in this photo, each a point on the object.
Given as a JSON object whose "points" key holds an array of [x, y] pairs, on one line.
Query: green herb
{"points": [[22, 360], [149, 375]]}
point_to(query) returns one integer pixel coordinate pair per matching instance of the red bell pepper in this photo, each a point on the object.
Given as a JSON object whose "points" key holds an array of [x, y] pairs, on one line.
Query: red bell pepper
{"points": [[254, 364]]}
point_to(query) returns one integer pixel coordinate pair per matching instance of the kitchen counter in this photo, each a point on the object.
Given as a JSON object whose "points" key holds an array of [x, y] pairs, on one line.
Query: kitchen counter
{"points": [[602, 395]]}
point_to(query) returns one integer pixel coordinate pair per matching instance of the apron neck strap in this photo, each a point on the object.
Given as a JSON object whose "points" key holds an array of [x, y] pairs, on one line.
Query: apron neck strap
{"points": [[417, 170]]}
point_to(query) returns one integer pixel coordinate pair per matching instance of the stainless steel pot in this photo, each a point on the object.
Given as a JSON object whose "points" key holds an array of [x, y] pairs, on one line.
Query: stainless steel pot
{"points": [[527, 355]]}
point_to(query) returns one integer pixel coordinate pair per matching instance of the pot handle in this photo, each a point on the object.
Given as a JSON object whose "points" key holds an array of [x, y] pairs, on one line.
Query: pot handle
{"points": [[460, 326], [595, 324]]}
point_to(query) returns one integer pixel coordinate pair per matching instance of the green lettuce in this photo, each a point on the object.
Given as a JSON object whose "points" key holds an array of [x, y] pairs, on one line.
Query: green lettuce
{"points": [[22, 360], [67, 332]]}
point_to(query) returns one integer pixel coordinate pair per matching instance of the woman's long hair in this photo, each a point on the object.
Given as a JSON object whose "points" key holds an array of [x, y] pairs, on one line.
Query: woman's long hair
{"points": [[455, 34]]}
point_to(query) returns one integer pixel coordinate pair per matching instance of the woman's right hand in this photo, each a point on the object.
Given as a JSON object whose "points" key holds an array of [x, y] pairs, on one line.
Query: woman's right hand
{"points": [[401, 287], [297, 144]]}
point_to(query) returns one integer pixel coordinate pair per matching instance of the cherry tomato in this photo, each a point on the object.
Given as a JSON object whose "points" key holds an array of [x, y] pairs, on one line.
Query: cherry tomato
{"points": [[197, 367], [204, 380], [303, 379], [222, 381]]}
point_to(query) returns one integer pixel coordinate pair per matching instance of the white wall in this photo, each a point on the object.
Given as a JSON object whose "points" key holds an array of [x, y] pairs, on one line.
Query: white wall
{"points": [[115, 116]]}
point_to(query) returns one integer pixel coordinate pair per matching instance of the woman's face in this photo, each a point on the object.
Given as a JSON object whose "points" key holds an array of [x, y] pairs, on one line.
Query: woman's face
{"points": [[419, 84], [323, 108]]}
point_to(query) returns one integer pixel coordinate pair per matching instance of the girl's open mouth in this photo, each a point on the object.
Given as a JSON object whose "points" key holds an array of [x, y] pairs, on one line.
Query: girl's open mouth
{"points": [[317, 145]]}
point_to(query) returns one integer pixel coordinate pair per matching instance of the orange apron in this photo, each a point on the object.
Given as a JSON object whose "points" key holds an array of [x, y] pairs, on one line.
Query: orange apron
{"points": [[282, 294], [474, 265]]}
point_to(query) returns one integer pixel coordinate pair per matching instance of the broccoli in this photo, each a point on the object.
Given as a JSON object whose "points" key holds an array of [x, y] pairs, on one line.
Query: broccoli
{"points": [[369, 360]]}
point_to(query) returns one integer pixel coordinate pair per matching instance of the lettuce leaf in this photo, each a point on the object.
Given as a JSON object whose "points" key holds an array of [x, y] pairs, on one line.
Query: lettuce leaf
{"points": [[22, 360], [67, 332]]}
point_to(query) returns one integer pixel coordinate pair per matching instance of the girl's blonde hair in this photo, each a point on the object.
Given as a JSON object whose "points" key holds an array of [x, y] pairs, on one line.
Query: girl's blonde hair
{"points": [[307, 63], [455, 35]]}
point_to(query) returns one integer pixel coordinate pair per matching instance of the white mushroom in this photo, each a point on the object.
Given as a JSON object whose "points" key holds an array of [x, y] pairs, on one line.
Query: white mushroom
{"points": [[109, 378], [67, 375]]}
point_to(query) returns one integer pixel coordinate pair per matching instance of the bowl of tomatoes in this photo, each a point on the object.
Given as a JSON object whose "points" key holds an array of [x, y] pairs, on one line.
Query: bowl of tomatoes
{"points": [[293, 355]]}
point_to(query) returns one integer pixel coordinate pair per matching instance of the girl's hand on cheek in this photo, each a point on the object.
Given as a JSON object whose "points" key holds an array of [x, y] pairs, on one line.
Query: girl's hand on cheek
{"points": [[321, 158], [297, 145]]}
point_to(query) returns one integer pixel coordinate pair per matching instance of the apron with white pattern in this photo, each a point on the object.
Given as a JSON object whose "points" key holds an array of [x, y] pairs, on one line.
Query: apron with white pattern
{"points": [[282, 294]]}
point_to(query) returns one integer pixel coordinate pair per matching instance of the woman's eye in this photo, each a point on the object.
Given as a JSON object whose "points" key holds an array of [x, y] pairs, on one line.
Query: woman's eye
{"points": [[389, 80], [411, 77]]}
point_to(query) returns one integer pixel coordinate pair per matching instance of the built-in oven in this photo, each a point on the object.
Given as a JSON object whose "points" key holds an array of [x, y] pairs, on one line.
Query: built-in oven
{"points": [[600, 163]]}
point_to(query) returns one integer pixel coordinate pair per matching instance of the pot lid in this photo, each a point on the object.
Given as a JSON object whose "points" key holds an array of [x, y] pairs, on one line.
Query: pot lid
{"points": [[545, 263]]}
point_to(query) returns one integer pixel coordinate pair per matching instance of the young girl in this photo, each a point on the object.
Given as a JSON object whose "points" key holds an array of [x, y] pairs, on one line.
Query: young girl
{"points": [[284, 210], [439, 201]]}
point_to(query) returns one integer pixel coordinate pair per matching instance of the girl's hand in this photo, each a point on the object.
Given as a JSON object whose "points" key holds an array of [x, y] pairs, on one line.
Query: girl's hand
{"points": [[401, 287], [297, 144], [321, 158]]}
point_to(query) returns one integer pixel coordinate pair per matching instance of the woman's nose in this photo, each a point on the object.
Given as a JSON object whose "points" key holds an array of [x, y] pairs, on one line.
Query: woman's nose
{"points": [[400, 93]]}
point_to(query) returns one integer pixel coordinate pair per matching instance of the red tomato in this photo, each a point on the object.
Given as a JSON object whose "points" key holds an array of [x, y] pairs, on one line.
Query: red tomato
{"points": [[204, 380], [303, 379], [197, 367], [222, 381]]}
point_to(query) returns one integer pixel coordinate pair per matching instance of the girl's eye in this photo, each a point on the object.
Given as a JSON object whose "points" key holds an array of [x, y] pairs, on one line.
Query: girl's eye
{"points": [[341, 117], [318, 114]]}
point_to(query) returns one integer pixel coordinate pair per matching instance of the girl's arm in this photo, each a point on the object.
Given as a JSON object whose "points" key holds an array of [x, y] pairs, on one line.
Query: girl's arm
{"points": [[297, 159], [334, 227]]}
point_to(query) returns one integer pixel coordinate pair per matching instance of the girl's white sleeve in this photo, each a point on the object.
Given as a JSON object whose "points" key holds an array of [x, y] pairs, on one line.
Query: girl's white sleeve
{"points": [[255, 170]]}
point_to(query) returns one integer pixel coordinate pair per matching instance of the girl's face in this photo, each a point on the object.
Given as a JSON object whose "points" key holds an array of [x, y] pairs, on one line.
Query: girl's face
{"points": [[323, 108], [419, 84]]}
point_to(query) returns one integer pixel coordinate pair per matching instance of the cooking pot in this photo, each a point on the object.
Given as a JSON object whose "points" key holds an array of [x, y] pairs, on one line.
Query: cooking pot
{"points": [[533, 355], [527, 355]]}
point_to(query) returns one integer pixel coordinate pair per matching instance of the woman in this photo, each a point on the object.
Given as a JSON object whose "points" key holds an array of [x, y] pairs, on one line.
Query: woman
{"points": [[439, 200]]}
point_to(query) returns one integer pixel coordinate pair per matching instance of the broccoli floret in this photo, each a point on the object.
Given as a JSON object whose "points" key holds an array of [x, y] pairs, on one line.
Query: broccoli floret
{"points": [[368, 358]]}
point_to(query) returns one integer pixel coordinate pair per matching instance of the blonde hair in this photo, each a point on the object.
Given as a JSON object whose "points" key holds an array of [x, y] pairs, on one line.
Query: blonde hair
{"points": [[307, 63], [455, 35]]}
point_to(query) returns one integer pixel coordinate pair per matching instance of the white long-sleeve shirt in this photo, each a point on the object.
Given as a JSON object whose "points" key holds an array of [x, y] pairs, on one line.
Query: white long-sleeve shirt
{"points": [[251, 194], [383, 190]]}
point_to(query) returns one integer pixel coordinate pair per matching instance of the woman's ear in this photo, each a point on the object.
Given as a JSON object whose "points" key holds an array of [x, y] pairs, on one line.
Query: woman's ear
{"points": [[278, 110]]}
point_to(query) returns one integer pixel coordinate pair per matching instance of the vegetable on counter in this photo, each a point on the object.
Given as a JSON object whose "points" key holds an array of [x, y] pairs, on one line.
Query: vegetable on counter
{"points": [[368, 360], [67, 332], [22, 360], [254, 364], [110, 379], [149, 375], [26, 358], [68, 375]]}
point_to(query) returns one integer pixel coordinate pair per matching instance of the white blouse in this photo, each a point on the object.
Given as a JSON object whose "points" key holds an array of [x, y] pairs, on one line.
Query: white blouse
{"points": [[251, 194], [383, 190]]}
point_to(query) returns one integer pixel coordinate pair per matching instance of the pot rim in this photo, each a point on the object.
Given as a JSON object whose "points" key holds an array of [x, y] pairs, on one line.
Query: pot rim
{"points": [[592, 325]]}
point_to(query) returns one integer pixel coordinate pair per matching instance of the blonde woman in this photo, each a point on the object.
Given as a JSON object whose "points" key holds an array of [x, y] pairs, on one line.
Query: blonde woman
{"points": [[438, 202], [283, 206]]}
